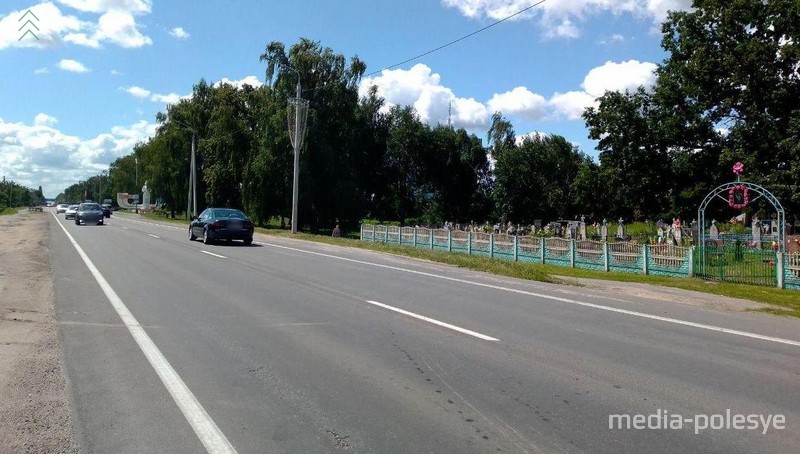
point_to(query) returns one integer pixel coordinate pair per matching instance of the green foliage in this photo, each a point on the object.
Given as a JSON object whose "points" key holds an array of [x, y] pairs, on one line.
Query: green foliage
{"points": [[16, 195], [726, 92], [539, 180]]}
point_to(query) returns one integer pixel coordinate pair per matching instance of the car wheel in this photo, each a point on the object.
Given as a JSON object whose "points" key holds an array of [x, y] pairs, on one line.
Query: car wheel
{"points": [[248, 241], [191, 234], [206, 237], [77, 222], [100, 222]]}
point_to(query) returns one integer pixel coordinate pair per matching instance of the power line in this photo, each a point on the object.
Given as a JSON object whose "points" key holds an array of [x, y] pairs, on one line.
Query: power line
{"points": [[459, 39]]}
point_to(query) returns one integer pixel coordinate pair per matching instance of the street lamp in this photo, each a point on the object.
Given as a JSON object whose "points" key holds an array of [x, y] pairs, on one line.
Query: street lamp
{"points": [[191, 201], [297, 127], [136, 183], [102, 177]]}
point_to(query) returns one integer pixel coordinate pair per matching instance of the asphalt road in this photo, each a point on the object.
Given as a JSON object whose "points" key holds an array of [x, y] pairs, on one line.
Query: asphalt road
{"points": [[289, 346]]}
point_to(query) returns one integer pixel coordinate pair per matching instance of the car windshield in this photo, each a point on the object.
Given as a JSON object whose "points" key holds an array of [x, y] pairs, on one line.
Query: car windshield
{"points": [[90, 207], [229, 214], [73, 207]]}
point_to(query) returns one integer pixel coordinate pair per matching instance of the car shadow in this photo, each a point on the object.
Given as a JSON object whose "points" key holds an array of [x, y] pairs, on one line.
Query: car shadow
{"points": [[233, 243]]}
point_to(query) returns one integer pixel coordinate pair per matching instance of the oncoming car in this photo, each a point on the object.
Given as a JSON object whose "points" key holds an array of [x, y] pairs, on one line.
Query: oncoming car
{"points": [[221, 224], [89, 213], [69, 213]]}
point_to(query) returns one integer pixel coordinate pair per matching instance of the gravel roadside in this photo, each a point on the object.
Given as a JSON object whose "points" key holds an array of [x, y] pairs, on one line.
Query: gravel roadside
{"points": [[34, 403]]}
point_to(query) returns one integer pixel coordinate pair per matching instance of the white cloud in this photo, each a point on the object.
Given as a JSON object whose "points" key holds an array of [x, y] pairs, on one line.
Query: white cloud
{"points": [[171, 98], [100, 6], [43, 70], [519, 101], [248, 80], [560, 18], [51, 22], [179, 33], [72, 66], [82, 39], [624, 76], [119, 27], [519, 140], [571, 104], [116, 24], [114, 72], [143, 93], [138, 92], [40, 154], [421, 88], [43, 119]]}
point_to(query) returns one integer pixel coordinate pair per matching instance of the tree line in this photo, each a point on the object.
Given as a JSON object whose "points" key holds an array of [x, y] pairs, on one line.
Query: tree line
{"points": [[726, 93], [13, 194]]}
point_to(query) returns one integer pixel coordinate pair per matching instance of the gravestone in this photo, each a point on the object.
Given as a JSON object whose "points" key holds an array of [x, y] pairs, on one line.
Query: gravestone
{"points": [[621, 229], [713, 232], [756, 228], [604, 231], [676, 231], [582, 228]]}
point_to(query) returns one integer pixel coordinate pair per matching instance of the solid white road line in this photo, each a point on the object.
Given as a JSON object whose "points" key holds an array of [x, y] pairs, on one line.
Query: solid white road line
{"points": [[150, 234], [206, 429], [434, 321], [215, 255], [555, 298]]}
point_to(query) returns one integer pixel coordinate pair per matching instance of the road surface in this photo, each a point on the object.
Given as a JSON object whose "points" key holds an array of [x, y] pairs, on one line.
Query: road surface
{"points": [[290, 346]]}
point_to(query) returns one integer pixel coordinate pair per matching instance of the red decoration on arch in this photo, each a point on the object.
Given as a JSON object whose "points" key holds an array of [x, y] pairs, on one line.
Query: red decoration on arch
{"points": [[738, 197]]}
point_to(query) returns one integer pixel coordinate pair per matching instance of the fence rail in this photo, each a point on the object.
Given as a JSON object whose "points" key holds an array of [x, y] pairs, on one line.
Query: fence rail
{"points": [[660, 259], [791, 270], [726, 262]]}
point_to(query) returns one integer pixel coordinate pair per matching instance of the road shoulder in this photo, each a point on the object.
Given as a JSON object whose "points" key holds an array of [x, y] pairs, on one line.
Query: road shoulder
{"points": [[34, 403]]}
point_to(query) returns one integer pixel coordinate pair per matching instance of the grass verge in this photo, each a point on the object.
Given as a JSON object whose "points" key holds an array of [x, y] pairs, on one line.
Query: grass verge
{"points": [[781, 302], [8, 210]]}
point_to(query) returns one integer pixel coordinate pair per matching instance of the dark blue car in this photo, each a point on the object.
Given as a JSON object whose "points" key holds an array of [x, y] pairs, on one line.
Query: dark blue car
{"points": [[89, 213], [221, 224]]}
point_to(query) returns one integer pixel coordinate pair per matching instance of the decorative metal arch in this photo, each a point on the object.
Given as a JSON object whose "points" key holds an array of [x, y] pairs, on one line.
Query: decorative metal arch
{"points": [[761, 191]]}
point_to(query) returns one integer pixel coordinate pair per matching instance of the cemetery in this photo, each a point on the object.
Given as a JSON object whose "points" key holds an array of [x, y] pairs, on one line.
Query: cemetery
{"points": [[759, 254]]}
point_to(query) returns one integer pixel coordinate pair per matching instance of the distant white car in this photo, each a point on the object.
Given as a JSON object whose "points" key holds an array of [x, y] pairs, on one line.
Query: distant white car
{"points": [[61, 208], [71, 212]]}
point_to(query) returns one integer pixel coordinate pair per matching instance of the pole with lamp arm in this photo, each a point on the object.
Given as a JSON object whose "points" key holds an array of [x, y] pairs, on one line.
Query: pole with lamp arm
{"points": [[296, 176], [297, 127], [191, 200], [136, 182]]}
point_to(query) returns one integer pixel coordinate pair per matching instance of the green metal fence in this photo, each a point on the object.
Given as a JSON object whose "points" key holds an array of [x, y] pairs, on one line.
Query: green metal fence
{"points": [[791, 267], [660, 259], [735, 262], [738, 260]]}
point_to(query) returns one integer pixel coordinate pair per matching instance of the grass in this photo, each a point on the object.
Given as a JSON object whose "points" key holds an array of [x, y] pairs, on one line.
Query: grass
{"points": [[781, 302], [9, 210]]}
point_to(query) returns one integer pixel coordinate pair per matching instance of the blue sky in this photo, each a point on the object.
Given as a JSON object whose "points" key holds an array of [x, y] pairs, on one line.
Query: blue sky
{"points": [[89, 88]]}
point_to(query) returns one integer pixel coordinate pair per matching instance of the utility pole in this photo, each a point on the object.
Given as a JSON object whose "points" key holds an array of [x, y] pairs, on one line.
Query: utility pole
{"points": [[191, 197], [296, 143], [297, 130]]}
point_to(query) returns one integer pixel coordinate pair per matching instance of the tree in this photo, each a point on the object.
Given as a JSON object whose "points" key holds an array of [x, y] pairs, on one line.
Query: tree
{"points": [[537, 180], [500, 135], [327, 163], [635, 164]]}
